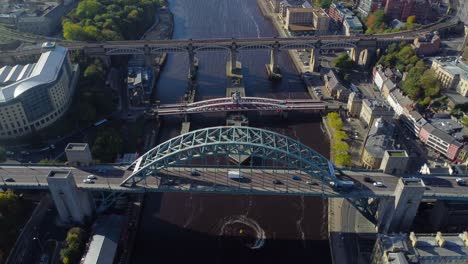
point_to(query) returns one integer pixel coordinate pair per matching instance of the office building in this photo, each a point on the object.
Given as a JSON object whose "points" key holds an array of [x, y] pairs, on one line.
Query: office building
{"points": [[321, 22], [379, 140], [452, 74], [34, 96], [366, 7], [402, 9], [354, 104], [372, 109]]}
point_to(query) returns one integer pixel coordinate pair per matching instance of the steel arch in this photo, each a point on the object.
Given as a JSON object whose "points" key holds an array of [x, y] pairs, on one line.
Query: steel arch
{"points": [[232, 140]]}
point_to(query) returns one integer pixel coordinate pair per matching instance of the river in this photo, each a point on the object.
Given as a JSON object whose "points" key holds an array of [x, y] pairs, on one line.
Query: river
{"points": [[213, 228]]}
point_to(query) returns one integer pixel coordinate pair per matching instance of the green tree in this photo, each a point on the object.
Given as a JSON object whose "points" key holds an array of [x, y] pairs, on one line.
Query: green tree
{"points": [[343, 62], [107, 145], [88, 8], [411, 19], [342, 159]]}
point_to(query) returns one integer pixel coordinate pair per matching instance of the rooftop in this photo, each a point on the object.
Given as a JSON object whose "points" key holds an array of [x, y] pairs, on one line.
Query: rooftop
{"points": [[76, 146], [353, 22], [59, 174], [28, 8], [104, 242], [46, 70], [447, 125], [452, 65], [380, 138], [397, 153]]}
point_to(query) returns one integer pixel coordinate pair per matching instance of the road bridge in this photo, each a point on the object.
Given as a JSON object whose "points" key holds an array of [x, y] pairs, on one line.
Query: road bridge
{"points": [[279, 165], [363, 47], [236, 103]]}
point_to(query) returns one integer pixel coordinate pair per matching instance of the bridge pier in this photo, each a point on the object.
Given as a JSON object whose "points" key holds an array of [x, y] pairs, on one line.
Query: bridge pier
{"points": [[314, 59], [396, 214], [273, 69], [73, 205], [193, 64]]}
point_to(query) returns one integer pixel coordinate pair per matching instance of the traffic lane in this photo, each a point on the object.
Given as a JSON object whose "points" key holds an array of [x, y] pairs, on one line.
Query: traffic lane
{"points": [[113, 175]]}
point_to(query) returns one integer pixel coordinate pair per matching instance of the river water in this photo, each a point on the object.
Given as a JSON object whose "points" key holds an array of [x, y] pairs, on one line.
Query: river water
{"points": [[213, 228]]}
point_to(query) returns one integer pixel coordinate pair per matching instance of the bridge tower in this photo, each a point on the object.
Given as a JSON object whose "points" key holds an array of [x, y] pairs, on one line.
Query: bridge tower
{"points": [[73, 205], [396, 214], [193, 62], [272, 68]]}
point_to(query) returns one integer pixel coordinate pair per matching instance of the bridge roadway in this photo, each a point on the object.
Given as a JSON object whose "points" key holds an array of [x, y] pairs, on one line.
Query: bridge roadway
{"points": [[215, 180], [229, 104], [158, 46]]}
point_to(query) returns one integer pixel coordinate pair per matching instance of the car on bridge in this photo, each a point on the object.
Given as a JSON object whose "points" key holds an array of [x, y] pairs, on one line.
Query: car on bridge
{"points": [[277, 182], [91, 177], [10, 180], [88, 181], [296, 178], [461, 181], [378, 184], [195, 173], [312, 183]]}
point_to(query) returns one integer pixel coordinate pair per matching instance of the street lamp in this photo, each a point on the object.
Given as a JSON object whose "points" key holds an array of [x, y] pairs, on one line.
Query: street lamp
{"points": [[39, 243]]}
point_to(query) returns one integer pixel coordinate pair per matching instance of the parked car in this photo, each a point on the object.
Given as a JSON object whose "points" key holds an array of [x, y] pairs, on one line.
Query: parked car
{"points": [[296, 178], [378, 184], [312, 183], [277, 182]]}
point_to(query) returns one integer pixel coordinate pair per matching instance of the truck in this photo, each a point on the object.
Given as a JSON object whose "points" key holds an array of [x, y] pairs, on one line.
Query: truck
{"points": [[235, 175], [342, 185]]}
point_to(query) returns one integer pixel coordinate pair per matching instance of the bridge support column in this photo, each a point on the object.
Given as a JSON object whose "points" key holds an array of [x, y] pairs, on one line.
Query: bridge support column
{"points": [[73, 205], [396, 214], [273, 69], [314, 59], [355, 53], [233, 66], [193, 64]]}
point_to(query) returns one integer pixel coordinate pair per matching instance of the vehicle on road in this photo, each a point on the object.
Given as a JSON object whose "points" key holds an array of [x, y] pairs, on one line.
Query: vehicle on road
{"points": [[88, 181], [195, 173], [235, 175], [342, 185], [170, 182], [91, 177], [461, 181], [368, 179], [312, 183], [378, 184], [296, 178], [10, 180], [9, 153], [277, 182], [24, 152]]}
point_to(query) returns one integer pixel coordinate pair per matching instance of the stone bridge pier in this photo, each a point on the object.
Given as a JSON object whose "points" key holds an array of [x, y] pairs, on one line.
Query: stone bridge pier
{"points": [[314, 59], [273, 69], [233, 66], [396, 214], [192, 63]]}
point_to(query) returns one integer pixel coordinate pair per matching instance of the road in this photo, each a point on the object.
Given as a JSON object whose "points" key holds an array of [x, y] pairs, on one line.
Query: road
{"points": [[216, 180]]}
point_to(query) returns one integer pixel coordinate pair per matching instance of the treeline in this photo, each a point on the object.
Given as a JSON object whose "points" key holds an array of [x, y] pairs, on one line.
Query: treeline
{"points": [[376, 23], [340, 149], [421, 83], [75, 243], [98, 20]]}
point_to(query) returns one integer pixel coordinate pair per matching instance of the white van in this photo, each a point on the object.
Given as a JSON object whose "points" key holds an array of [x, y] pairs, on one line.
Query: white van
{"points": [[234, 174]]}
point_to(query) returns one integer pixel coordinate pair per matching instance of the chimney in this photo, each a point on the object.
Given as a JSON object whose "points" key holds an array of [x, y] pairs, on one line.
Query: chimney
{"points": [[440, 239]]}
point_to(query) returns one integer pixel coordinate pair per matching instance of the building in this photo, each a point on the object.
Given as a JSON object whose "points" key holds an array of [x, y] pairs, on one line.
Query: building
{"points": [[394, 162], [379, 140], [380, 75], [421, 248], [440, 141], [299, 17], [352, 26], [428, 45], [286, 4], [345, 17], [400, 103], [39, 17], [452, 74], [402, 9], [413, 122], [140, 83], [374, 109], [321, 22], [104, 243], [354, 104], [334, 88], [34, 96], [366, 7], [462, 156], [78, 154]]}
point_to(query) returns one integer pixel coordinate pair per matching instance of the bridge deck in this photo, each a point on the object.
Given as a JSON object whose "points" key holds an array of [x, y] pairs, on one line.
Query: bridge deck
{"points": [[215, 180]]}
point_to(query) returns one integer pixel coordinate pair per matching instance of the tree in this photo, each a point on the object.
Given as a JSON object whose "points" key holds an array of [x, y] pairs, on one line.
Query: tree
{"points": [[107, 145], [2, 154], [343, 62], [411, 19], [340, 135], [343, 159]]}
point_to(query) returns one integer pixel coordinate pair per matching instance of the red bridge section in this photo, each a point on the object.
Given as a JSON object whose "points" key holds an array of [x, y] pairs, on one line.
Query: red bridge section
{"points": [[238, 104]]}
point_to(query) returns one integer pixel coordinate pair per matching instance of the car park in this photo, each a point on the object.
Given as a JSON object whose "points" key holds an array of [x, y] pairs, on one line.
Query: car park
{"points": [[10, 180], [378, 184]]}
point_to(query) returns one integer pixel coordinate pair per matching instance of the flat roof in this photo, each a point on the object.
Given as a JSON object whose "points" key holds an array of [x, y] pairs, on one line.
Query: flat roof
{"points": [[59, 173], [104, 243], [397, 153], [76, 146], [294, 27]]}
